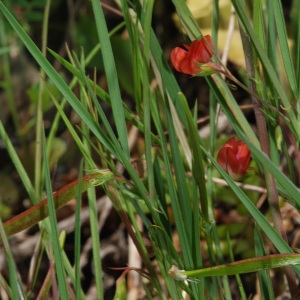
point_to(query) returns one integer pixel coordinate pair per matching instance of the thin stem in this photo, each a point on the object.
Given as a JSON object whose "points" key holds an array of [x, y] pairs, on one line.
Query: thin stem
{"points": [[230, 76], [263, 137], [39, 119]]}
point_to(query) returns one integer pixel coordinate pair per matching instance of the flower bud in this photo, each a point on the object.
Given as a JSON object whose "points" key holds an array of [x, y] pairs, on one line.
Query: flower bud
{"points": [[234, 158]]}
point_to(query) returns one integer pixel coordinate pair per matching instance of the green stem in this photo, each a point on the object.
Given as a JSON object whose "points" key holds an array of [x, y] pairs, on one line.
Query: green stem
{"points": [[39, 118], [244, 266], [148, 7]]}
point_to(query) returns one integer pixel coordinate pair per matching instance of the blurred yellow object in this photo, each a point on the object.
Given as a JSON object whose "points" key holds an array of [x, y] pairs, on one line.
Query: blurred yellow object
{"points": [[236, 52], [202, 12]]}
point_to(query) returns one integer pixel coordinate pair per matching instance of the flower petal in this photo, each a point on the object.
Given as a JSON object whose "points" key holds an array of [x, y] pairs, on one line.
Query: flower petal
{"points": [[202, 51], [233, 161], [177, 56], [222, 158], [188, 66], [244, 156]]}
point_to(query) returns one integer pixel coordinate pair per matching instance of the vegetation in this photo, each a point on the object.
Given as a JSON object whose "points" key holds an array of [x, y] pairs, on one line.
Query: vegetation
{"points": [[103, 95]]}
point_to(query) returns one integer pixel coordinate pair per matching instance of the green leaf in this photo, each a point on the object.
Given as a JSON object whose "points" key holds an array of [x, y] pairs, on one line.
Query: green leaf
{"points": [[246, 266], [53, 232]]}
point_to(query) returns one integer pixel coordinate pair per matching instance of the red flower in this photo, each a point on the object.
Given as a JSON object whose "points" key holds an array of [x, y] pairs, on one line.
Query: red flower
{"points": [[189, 61], [234, 158]]}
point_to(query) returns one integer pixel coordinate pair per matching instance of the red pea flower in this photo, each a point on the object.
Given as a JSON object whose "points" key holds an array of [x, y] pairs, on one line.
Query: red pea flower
{"points": [[195, 59], [234, 158]]}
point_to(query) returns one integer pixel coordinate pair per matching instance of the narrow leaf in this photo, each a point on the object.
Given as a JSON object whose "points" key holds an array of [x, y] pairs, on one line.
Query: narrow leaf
{"points": [[40, 211], [243, 266]]}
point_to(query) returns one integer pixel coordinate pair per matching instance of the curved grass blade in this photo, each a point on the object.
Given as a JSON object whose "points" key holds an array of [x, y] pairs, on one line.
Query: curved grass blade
{"points": [[239, 267], [40, 211]]}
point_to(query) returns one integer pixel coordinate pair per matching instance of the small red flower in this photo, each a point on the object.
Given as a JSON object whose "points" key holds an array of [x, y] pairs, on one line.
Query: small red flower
{"points": [[234, 158], [189, 61]]}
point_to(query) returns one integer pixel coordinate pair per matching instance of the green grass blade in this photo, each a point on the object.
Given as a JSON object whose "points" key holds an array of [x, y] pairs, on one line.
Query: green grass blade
{"points": [[95, 243], [197, 162], [54, 236], [265, 281], [258, 22], [77, 234], [283, 42], [247, 266], [177, 210], [91, 194], [71, 275], [148, 8], [38, 177], [183, 194], [237, 276], [273, 55], [296, 22], [111, 74]]}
